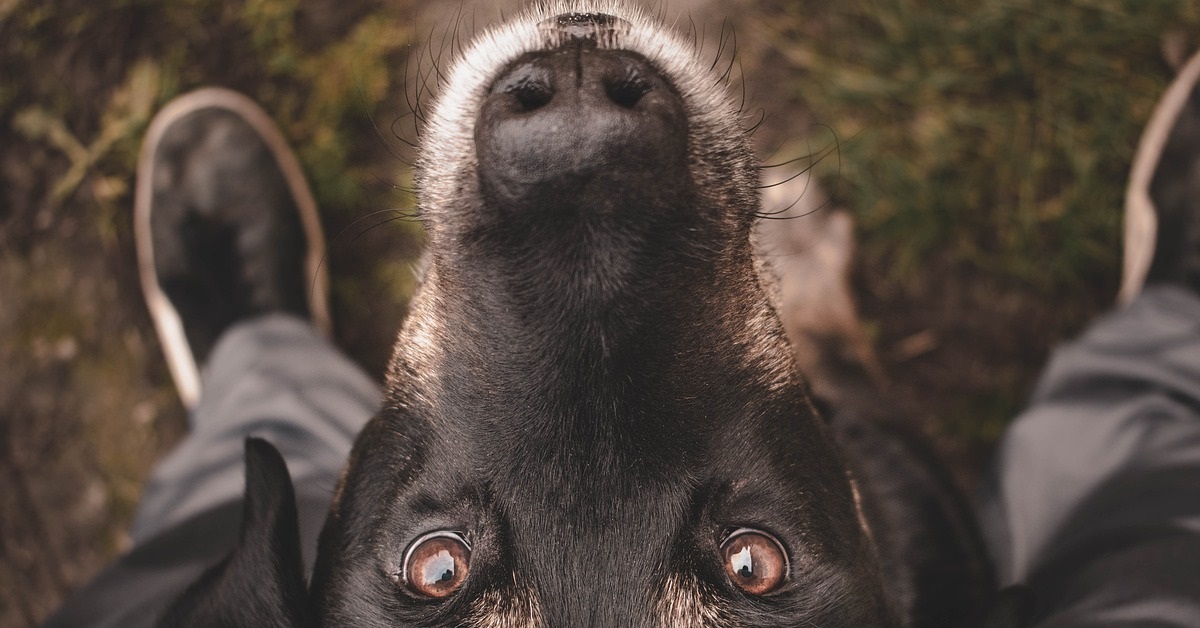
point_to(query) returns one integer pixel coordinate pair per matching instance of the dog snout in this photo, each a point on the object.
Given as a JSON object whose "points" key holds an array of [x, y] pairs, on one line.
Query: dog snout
{"points": [[557, 121]]}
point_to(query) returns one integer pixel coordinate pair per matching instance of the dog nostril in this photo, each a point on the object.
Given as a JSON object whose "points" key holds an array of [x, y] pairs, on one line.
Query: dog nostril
{"points": [[532, 95], [529, 84], [628, 91]]}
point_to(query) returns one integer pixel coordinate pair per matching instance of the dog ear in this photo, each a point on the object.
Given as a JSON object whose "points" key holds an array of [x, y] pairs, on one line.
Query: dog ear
{"points": [[261, 583], [1012, 608]]}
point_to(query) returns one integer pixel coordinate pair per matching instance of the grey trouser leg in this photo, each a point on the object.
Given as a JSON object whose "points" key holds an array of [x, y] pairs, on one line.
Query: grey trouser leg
{"points": [[272, 377], [1095, 497]]}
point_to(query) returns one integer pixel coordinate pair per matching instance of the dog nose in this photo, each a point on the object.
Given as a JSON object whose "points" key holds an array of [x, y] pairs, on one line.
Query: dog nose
{"points": [[558, 119]]}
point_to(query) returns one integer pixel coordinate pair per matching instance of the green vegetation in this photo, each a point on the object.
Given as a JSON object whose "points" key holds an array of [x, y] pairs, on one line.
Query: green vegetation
{"points": [[320, 92], [992, 135]]}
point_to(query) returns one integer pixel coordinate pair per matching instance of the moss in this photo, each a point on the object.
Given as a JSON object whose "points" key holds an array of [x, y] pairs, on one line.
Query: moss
{"points": [[993, 135]]}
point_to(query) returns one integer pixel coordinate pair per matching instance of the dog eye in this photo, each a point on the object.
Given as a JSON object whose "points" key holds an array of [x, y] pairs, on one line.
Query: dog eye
{"points": [[754, 561], [436, 564]]}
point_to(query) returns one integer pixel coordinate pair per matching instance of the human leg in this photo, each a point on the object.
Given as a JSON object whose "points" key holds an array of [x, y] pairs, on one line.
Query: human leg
{"points": [[273, 377], [1103, 471], [228, 247]]}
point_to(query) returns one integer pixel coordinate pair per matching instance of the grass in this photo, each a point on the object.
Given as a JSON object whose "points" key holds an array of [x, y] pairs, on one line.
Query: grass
{"points": [[990, 135], [318, 94]]}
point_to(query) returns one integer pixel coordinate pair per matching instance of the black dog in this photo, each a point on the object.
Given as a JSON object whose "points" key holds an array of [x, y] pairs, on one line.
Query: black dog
{"points": [[594, 416]]}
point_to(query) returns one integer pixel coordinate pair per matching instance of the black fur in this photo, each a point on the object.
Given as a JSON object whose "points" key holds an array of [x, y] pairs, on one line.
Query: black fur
{"points": [[594, 388], [598, 416]]}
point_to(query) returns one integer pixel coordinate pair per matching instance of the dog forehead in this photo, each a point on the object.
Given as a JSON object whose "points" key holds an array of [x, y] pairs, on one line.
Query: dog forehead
{"points": [[584, 493]]}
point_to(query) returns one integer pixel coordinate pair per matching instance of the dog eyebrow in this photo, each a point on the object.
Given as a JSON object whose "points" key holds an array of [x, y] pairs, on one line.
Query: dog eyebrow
{"points": [[685, 601], [515, 607]]}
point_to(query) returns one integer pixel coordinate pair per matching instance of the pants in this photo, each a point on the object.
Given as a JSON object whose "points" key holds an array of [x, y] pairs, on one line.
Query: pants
{"points": [[272, 377], [1094, 500]]}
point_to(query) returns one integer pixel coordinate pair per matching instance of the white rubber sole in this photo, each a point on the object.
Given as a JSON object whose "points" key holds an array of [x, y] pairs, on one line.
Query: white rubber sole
{"points": [[180, 358], [1141, 220]]}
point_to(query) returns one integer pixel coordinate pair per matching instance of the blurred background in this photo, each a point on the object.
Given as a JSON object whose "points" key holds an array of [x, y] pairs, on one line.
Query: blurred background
{"points": [[982, 146]]}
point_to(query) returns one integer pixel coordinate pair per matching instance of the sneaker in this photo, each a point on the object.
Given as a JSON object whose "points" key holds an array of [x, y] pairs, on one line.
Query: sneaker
{"points": [[226, 228], [1162, 202]]}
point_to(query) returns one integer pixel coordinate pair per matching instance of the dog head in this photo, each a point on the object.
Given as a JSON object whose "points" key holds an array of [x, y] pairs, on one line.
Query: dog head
{"points": [[592, 415]]}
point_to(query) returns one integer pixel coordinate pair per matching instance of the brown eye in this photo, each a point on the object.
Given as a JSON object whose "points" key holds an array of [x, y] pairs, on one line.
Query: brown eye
{"points": [[754, 561], [436, 564]]}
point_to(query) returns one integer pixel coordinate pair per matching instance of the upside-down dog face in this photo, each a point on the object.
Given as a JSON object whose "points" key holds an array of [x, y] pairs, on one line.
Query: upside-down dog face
{"points": [[592, 415]]}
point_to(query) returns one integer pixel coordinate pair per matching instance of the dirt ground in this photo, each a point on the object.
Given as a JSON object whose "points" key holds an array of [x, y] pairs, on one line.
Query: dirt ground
{"points": [[86, 404]]}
